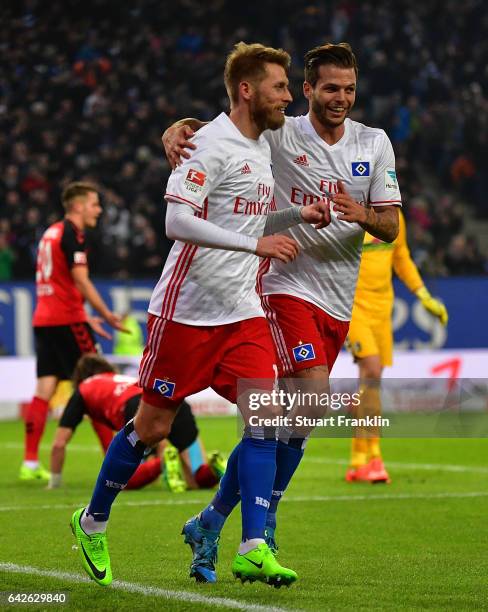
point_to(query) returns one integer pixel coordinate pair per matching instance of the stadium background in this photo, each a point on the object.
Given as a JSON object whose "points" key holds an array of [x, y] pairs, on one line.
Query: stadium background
{"points": [[86, 89]]}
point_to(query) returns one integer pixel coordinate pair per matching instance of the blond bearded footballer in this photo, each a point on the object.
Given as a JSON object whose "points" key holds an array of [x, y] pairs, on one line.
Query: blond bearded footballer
{"points": [[206, 326], [370, 338], [309, 302]]}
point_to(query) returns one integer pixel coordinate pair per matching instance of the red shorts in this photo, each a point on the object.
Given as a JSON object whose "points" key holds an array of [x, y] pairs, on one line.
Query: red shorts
{"points": [[183, 359], [305, 336]]}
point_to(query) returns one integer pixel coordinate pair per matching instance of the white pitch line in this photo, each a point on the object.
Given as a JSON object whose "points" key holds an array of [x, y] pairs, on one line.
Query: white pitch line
{"points": [[147, 502], [387, 497], [142, 589], [442, 467], [299, 499]]}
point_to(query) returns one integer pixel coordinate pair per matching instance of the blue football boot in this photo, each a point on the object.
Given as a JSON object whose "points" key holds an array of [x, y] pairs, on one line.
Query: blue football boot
{"points": [[204, 544], [269, 538]]}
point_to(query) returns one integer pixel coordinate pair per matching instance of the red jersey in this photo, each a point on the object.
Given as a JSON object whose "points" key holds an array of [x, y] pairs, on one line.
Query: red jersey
{"points": [[104, 397], [59, 302]]}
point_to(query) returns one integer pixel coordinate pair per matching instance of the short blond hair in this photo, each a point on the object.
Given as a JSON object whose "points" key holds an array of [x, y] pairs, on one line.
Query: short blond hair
{"points": [[76, 190], [248, 62]]}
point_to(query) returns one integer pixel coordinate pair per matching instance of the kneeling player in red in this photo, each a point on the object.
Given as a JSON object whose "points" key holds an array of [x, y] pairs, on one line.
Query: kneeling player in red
{"points": [[111, 400]]}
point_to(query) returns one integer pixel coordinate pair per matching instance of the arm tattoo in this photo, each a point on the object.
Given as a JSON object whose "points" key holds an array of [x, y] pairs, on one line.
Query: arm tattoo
{"points": [[382, 222]]}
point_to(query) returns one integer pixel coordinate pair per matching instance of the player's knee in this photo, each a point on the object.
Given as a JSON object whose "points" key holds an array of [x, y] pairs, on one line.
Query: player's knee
{"points": [[370, 368], [314, 388], [152, 433], [152, 425]]}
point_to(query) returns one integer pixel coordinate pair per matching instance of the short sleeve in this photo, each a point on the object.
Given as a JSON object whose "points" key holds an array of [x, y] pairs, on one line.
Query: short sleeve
{"points": [[74, 411], [191, 182], [384, 184], [73, 246]]}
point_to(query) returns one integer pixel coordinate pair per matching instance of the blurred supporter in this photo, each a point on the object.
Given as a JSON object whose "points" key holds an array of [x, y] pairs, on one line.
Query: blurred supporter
{"points": [[6, 258], [463, 256], [87, 90]]}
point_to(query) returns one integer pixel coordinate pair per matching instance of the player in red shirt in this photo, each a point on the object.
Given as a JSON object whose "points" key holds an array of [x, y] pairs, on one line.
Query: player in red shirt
{"points": [[61, 326], [111, 399]]}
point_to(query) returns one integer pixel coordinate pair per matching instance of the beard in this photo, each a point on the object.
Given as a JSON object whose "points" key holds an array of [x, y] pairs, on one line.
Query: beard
{"points": [[265, 117], [320, 112]]}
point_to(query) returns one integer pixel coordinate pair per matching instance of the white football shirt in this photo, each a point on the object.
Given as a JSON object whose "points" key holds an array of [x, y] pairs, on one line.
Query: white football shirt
{"points": [[305, 168], [229, 182]]}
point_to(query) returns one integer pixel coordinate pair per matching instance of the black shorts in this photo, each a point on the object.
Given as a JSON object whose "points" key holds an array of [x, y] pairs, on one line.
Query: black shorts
{"points": [[184, 430], [59, 347]]}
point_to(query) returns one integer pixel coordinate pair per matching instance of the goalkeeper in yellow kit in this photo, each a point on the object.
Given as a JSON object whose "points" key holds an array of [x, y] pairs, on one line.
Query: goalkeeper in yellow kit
{"points": [[370, 338]]}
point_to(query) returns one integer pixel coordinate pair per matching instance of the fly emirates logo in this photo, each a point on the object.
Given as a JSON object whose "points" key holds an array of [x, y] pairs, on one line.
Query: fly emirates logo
{"points": [[300, 197], [260, 206]]}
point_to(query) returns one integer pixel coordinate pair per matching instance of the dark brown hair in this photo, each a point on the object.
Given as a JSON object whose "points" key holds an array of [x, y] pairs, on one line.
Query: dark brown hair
{"points": [[76, 190], [248, 62], [88, 365], [340, 55]]}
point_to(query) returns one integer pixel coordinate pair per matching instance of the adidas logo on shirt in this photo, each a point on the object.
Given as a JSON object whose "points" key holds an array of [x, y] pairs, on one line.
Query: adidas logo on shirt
{"points": [[301, 160], [245, 169]]}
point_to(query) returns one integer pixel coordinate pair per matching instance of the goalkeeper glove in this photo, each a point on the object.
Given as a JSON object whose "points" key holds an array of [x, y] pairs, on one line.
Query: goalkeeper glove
{"points": [[435, 307]]}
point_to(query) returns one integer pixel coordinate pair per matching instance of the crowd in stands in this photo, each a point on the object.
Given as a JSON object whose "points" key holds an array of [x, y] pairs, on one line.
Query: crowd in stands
{"points": [[86, 89]]}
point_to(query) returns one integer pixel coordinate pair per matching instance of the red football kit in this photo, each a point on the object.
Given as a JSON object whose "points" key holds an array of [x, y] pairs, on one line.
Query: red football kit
{"points": [[59, 302], [105, 396]]}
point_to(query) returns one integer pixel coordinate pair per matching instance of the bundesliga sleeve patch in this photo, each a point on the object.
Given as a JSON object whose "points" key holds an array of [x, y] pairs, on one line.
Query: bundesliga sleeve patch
{"points": [[391, 183], [195, 180], [360, 168], [165, 387], [79, 257], [303, 352]]}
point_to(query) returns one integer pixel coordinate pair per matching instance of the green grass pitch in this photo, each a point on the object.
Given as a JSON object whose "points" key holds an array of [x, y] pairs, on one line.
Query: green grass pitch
{"points": [[419, 543]]}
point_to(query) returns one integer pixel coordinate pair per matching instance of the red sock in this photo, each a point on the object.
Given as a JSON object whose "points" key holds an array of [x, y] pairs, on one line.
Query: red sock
{"points": [[205, 478], [35, 421], [104, 433], [145, 473]]}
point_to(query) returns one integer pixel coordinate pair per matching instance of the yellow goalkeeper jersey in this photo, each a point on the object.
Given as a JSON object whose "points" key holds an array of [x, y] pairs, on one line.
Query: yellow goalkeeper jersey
{"points": [[374, 290]]}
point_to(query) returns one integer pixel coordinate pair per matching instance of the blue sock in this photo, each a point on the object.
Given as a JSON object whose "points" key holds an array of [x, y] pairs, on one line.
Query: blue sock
{"points": [[122, 459], [257, 468], [227, 497], [196, 457], [271, 517], [288, 457]]}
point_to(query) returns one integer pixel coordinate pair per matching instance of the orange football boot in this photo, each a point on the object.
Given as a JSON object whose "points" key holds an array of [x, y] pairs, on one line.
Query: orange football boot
{"points": [[358, 474], [377, 472]]}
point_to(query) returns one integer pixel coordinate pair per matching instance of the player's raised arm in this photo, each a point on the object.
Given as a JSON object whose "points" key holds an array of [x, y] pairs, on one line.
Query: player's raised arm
{"points": [[176, 140], [407, 271]]}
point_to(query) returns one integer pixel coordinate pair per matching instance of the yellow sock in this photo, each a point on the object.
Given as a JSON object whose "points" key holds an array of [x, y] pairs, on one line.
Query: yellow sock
{"points": [[371, 405], [359, 452], [374, 450]]}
